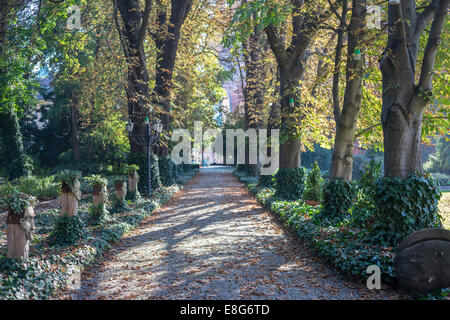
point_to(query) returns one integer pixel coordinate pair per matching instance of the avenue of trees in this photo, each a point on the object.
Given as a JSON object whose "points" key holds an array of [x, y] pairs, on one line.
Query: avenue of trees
{"points": [[328, 74], [344, 81]]}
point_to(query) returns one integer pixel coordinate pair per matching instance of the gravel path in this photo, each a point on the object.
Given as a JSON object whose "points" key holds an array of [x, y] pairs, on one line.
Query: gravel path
{"points": [[214, 241]]}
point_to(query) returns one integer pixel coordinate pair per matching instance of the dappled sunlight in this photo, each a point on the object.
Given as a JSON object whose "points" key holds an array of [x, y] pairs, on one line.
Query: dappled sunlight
{"points": [[213, 243]]}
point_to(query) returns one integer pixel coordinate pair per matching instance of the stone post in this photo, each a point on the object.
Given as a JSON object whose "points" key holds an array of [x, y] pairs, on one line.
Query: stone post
{"points": [[69, 199], [120, 187], [99, 195], [133, 180], [20, 229]]}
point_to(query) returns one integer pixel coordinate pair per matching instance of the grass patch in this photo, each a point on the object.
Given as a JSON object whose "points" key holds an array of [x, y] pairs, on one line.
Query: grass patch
{"points": [[444, 209]]}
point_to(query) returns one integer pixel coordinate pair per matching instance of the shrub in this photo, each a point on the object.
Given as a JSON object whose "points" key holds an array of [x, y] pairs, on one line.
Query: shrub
{"points": [[41, 187], [190, 166], [166, 171], [405, 206], [265, 180], [364, 208], [98, 214], [156, 178], [67, 230], [290, 183], [338, 196], [314, 184], [242, 167], [70, 181], [96, 180], [440, 161], [344, 247], [14, 200]]}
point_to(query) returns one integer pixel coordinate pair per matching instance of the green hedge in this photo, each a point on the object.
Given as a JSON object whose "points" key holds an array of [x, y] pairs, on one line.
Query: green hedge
{"points": [[266, 180], [43, 188], [166, 171], [314, 184], [338, 196], [405, 206], [290, 183]]}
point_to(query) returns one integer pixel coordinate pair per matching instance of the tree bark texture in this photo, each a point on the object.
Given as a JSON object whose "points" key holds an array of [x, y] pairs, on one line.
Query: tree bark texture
{"points": [[132, 33], [404, 100], [166, 39], [291, 65], [346, 119]]}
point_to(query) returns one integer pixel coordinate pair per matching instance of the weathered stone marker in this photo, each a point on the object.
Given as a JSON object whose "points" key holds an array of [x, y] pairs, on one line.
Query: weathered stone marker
{"points": [[422, 262], [120, 188], [133, 180], [20, 227], [99, 195], [69, 198]]}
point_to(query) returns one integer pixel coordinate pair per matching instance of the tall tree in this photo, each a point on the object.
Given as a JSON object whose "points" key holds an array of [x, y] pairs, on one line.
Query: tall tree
{"points": [[404, 100], [254, 52], [132, 34], [347, 116], [306, 19], [167, 37]]}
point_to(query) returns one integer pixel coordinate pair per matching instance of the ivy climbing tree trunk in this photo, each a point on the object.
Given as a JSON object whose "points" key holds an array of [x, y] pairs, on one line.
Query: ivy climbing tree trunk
{"points": [[346, 118], [166, 39], [132, 32], [403, 100], [291, 65]]}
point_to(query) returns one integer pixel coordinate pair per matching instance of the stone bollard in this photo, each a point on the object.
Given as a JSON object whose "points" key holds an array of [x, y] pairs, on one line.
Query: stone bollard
{"points": [[99, 195], [69, 199], [70, 192], [20, 229], [120, 189], [133, 180]]}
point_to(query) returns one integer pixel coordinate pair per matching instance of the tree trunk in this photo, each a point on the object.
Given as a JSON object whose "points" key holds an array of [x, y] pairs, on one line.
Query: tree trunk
{"points": [[20, 228], [74, 124], [305, 19], [403, 100], [255, 88], [166, 40], [290, 118], [342, 161], [132, 37]]}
